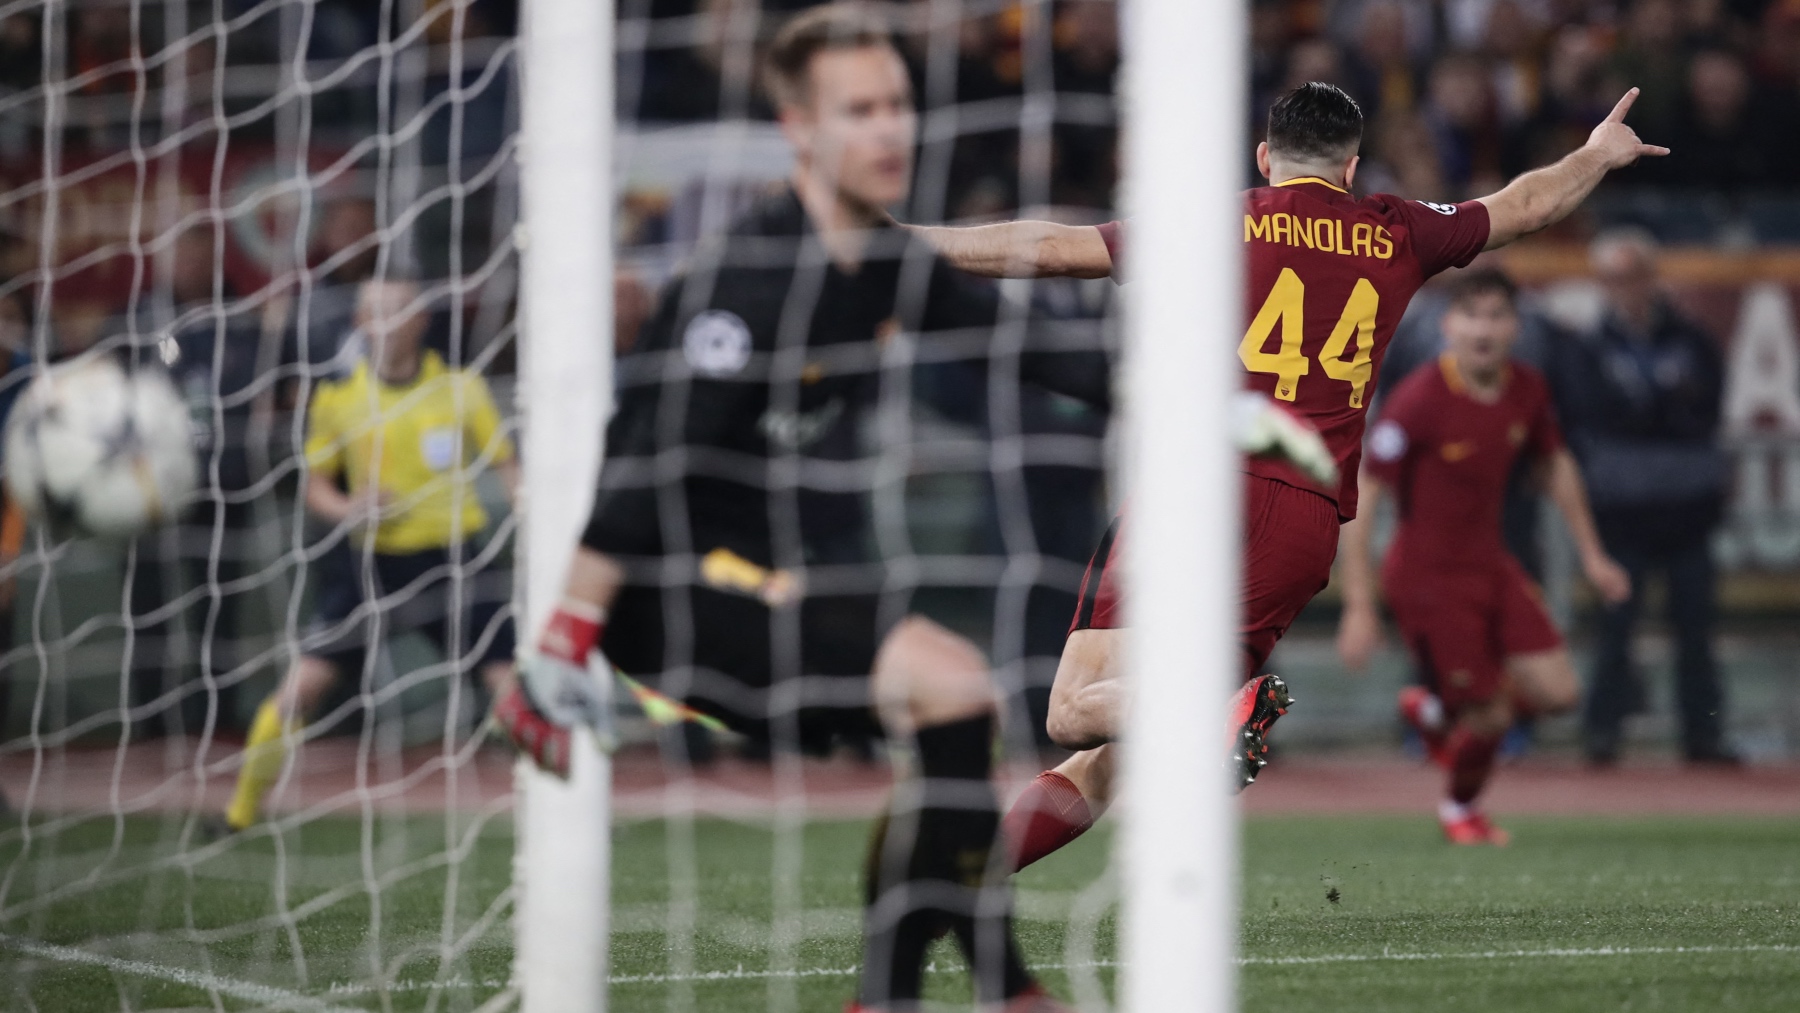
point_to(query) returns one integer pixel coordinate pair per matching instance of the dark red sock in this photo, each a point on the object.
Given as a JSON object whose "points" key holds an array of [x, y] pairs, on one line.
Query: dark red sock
{"points": [[1471, 761], [1049, 814]]}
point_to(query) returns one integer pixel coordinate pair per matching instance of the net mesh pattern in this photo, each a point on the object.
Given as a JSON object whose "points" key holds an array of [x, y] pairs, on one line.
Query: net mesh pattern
{"points": [[206, 187]]}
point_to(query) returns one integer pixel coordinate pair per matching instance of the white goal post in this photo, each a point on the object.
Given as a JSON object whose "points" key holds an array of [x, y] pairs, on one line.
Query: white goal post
{"points": [[563, 861], [1184, 89]]}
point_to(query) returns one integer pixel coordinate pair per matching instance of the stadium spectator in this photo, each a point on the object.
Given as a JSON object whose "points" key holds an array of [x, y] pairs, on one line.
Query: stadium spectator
{"points": [[101, 40], [406, 436], [1570, 100], [1406, 29], [1510, 41], [346, 251], [1464, 126], [1651, 56], [1087, 46], [1640, 396], [1271, 35], [712, 79], [1403, 158], [1727, 136], [1085, 62], [1387, 40], [21, 52], [1314, 59], [1776, 59]]}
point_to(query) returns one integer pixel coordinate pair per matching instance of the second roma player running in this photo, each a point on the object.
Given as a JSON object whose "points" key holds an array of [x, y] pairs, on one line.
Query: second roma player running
{"points": [[1446, 444], [1328, 276]]}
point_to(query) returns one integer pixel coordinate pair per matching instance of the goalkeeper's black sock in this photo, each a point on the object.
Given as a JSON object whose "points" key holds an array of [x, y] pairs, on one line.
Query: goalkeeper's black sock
{"points": [[929, 870]]}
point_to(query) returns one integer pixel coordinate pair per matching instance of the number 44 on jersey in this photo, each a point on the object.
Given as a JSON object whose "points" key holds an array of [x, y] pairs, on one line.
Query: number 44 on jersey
{"points": [[1286, 305]]}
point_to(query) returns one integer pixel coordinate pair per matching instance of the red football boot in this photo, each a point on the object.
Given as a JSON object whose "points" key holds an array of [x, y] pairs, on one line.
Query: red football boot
{"points": [[1472, 828], [1424, 713], [1253, 710]]}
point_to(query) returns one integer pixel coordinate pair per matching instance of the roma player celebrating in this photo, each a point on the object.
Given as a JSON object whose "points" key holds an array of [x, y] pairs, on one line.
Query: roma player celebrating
{"points": [[1448, 439], [1328, 276]]}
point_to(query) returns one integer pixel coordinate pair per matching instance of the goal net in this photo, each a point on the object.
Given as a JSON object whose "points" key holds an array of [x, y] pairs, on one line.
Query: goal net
{"points": [[246, 754]]}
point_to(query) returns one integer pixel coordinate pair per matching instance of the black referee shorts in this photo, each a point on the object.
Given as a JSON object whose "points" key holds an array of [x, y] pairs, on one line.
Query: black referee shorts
{"points": [[363, 598]]}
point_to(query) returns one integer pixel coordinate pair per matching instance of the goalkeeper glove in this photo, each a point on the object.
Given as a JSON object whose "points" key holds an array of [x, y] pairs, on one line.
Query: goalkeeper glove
{"points": [[555, 691]]}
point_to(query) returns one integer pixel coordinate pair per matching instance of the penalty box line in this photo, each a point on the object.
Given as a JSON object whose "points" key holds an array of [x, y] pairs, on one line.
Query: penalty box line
{"points": [[265, 995]]}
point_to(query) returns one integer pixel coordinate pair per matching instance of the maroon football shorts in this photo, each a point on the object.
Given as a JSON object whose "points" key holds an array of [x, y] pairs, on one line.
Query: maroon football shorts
{"points": [[1462, 625], [1290, 540]]}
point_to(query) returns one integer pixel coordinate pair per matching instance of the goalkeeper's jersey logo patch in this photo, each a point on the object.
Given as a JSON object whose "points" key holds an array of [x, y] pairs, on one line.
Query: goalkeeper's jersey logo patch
{"points": [[716, 343]]}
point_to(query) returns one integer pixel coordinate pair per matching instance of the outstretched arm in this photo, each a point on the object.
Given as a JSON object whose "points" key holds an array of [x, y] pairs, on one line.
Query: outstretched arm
{"points": [[1542, 197], [1359, 627], [1021, 249], [1564, 485]]}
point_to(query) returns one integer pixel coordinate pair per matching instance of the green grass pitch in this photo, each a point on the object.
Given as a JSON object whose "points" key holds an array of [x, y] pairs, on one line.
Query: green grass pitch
{"points": [[1579, 915]]}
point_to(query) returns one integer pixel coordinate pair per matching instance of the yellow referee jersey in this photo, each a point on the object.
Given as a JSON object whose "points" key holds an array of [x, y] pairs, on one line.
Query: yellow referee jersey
{"points": [[420, 442]]}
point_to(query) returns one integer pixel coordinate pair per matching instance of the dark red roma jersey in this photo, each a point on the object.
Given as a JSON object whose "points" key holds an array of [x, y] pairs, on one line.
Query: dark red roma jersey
{"points": [[1448, 458], [1329, 276]]}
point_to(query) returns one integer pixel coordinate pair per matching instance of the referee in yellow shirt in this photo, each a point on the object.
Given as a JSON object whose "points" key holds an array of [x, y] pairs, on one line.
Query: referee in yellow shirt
{"points": [[406, 436]]}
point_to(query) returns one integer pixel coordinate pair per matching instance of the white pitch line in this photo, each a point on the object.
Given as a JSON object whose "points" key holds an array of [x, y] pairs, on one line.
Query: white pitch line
{"points": [[267, 995], [1328, 958], [1559, 953], [282, 999]]}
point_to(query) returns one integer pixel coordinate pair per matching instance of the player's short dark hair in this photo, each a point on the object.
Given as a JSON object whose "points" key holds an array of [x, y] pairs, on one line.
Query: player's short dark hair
{"points": [[1475, 282], [787, 66], [1316, 122]]}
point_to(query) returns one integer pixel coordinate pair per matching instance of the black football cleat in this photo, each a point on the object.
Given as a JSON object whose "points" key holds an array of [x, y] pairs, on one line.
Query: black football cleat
{"points": [[1253, 711]]}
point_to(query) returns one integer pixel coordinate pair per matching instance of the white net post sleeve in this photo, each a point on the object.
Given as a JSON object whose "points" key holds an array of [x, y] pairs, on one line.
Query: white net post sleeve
{"points": [[1179, 849], [562, 862]]}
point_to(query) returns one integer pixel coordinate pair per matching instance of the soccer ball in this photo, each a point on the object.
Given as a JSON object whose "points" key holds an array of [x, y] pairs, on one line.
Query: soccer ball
{"points": [[94, 449]]}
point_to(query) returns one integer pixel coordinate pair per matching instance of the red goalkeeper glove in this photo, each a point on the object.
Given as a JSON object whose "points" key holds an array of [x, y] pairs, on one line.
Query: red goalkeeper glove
{"points": [[554, 690]]}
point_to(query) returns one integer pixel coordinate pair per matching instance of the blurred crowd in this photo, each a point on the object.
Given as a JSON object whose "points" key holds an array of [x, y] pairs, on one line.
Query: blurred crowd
{"points": [[1461, 94], [1464, 94], [191, 77]]}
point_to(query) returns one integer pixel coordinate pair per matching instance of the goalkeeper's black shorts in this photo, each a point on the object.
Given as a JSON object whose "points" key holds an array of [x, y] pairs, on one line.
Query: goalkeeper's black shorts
{"points": [[796, 676]]}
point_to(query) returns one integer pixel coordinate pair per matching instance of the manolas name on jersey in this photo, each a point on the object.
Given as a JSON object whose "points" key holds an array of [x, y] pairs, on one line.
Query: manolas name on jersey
{"points": [[1321, 234], [1328, 278]]}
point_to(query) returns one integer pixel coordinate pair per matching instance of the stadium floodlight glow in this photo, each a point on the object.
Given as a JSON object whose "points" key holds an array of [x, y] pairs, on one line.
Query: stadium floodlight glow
{"points": [[563, 858], [1184, 72]]}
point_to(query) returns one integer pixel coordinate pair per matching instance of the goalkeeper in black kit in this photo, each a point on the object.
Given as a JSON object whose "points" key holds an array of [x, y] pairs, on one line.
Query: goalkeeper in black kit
{"points": [[731, 552]]}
